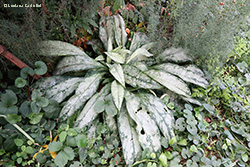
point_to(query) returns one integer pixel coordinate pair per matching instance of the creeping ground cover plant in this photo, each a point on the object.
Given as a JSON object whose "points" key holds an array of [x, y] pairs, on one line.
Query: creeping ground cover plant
{"points": [[122, 86]]}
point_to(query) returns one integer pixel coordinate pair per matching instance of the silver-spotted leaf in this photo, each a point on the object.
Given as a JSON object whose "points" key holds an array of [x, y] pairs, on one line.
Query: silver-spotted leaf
{"points": [[117, 72], [148, 133], [58, 48], [189, 73], [176, 55], [117, 91], [84, 91], [160, 114], [117, 57], [62, 90], [88, 114], [138, 79], [169, 81], [130, 145], [76, 63]]}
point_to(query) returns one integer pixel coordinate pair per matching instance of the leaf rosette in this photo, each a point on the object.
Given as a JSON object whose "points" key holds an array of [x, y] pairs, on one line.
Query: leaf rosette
{"points": [[117, 85]]}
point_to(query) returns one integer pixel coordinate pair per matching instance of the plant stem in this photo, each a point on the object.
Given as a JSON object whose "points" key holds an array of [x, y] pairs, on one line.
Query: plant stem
{"points": [[21, 130]]}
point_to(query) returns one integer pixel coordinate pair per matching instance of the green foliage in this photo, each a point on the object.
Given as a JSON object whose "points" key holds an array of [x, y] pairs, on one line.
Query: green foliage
{"points": [[67, 18], [21, 28], [207, 29], [24, 121]]}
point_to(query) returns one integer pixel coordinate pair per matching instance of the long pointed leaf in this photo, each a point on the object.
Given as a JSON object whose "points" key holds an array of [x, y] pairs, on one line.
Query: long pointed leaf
{"points": [[47, 82], [148, 133], [130, 145], [160, 114], [190, 73], [117, 72], [117, 30], [169, 81], [138, 40], [84, 91], [117, 91], [88, 114], [137, 53], [176, 55], [138, 79], [58, 48], [62, 90], [123, 32], [116, 57], [76, 63]]}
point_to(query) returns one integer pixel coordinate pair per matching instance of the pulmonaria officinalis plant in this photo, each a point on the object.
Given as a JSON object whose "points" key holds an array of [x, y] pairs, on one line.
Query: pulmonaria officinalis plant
{"points": [[119, 85]]}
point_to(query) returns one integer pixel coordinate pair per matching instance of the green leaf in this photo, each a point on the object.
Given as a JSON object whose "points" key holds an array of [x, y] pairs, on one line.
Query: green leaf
{"points": [[36, 109], [110, 106], [42, 102], [6, 109], [19, 160], [9, 97], [81, 140], [172, 141], [117, 91], [180, 124], [117, 72], [41, 68], [99, 106], [35, 118], [193, 148], [55, 146], [62, 136], [244, 157], [72, 132], [26, 71], [2, 151], [25, 109], [209, 108], [192, 129], [29, 150], [169, 81], [20, 82], [61, 159], [117, 57], [18, 142], [182, 142], [163, 160], [13, 118], [118, 4], [69, 152], [35, 94]]}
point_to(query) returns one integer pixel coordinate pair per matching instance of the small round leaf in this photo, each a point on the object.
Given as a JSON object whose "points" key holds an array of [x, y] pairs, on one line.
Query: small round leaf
{"points": [[41, 68], [42, 102], [20, 82], [26, 71]]}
